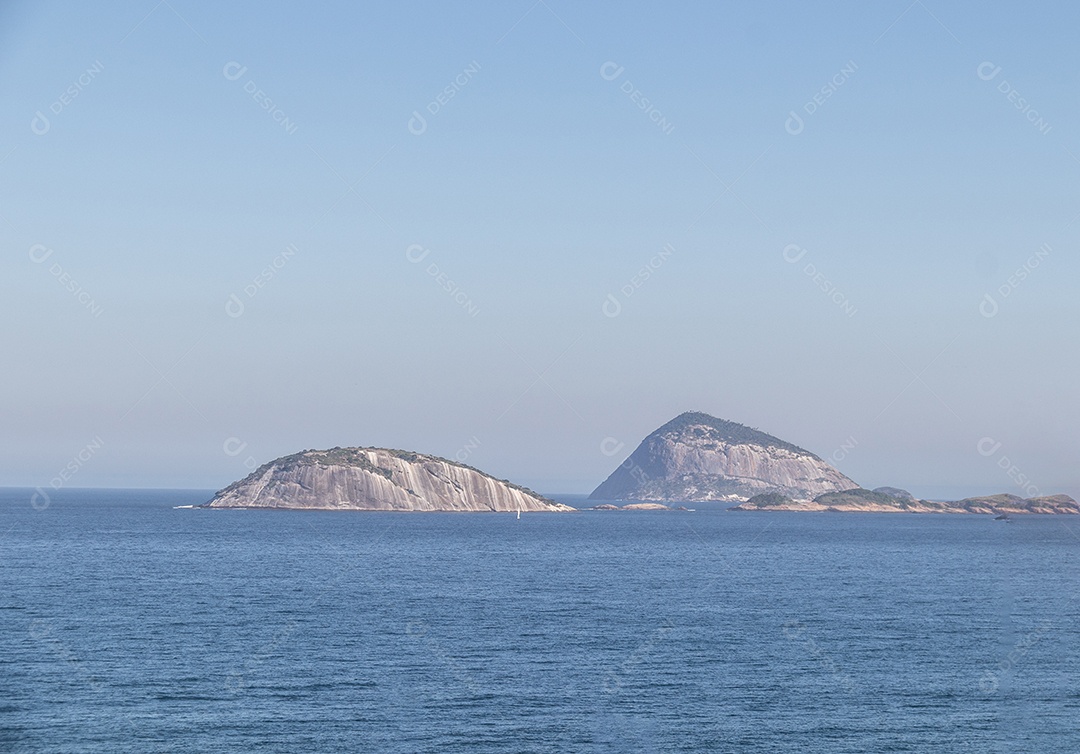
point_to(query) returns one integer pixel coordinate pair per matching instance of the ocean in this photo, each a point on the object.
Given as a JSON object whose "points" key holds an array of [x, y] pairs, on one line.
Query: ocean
{"points": [[130, 626]]}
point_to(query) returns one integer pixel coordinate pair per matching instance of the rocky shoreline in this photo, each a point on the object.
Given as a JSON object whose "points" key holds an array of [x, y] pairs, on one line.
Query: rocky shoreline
{"points": [[875, 501], [637, 507]]}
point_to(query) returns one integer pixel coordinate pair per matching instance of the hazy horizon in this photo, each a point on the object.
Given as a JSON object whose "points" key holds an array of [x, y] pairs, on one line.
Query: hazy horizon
{"points": [[519, 235]]}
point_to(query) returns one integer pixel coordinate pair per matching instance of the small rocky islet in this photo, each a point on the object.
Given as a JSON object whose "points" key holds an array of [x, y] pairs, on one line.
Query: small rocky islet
{"points": [[876, 501], [693, 458]]}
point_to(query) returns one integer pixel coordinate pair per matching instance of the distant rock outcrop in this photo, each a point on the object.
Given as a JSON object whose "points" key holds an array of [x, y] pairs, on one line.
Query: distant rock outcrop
{"points": [[895, 492], [876, 501], [772, 500], [635, 507], [377, 479], [697, 457], [1014, 504]]}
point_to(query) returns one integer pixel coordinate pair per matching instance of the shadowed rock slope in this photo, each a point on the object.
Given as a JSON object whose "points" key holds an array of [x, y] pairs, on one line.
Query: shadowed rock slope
{"points": [[377, 479], [697, 457]]}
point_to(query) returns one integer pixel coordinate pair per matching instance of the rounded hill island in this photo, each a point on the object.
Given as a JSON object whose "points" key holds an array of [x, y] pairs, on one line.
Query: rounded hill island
{"points": [[377, 479], [697, 457]]}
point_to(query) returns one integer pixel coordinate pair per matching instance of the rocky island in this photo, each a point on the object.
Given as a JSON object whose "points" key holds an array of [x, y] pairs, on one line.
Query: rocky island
{"points": [[893, 500], [377, 479], [696, 457]]}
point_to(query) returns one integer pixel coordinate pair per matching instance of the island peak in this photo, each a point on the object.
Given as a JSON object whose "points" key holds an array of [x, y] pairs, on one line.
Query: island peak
{"points": [[698, 457]]}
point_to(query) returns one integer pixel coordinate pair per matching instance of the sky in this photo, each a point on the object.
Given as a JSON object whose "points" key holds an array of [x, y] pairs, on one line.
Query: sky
{"points": [[526, 234]]}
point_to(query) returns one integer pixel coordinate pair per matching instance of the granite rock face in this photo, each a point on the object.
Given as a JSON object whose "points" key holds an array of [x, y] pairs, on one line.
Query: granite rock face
{"points": [[697, 457], [377, 479]]}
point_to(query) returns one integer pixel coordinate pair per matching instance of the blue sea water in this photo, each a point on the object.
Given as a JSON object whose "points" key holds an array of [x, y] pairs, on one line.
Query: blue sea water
{"points": [[128, 626]]}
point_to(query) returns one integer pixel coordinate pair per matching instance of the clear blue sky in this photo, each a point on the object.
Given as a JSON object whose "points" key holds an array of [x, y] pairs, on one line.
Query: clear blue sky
{"points": [[206, 143]]}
